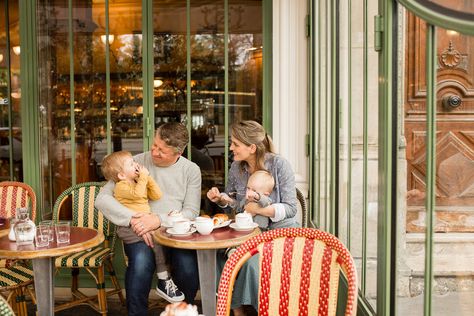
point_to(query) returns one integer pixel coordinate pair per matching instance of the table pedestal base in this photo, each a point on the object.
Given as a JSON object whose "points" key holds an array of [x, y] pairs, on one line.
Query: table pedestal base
{"points": [[43, 269], [207, 279]]}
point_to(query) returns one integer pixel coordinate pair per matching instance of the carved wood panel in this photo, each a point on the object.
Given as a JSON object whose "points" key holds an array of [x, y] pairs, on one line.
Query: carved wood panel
{"points": [[455, 127]]}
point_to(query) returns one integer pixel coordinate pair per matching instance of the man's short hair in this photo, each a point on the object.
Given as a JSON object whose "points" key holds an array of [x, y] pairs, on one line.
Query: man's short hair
{"points": [[174, 134], [113, 164]]}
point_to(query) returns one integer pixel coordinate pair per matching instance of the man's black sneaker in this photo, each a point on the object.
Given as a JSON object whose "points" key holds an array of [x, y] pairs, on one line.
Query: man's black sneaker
{"points": [[169, 291]]}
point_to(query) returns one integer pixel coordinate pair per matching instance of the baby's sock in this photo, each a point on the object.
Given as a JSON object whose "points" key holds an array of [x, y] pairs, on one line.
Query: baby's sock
{"points": [[162, 275]]}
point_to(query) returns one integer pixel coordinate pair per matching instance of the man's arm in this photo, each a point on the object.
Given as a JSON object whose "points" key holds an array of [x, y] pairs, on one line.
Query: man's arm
{"points": [[192, 200], [112, 209]]}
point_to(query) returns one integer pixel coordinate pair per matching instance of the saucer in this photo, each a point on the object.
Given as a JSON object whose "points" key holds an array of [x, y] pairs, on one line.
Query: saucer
{"points": [[166, 224], [223, 224], [242, 229], [188, 233]]}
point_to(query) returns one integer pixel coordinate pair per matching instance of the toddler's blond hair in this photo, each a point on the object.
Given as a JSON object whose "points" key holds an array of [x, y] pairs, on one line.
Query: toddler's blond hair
{"points": [[113, 164]]}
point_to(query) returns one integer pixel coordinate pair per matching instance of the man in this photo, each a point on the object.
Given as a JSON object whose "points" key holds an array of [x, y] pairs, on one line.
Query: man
{"points": [[180, 182]]}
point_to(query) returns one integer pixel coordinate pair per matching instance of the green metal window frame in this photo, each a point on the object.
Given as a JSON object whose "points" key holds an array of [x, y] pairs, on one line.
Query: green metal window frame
{"points": [[441, 16]]}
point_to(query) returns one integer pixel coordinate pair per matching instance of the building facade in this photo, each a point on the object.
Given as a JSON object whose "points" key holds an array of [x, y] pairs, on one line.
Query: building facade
{"points": [[371, 102]]}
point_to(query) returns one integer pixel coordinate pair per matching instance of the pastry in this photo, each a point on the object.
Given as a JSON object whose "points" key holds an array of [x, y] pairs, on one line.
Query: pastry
{"points": [[180, 309], [220, 218]]}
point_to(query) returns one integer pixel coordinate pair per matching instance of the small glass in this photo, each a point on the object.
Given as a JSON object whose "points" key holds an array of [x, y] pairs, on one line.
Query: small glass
{"points": [[42, 235], [50, 228], [63, 232]]}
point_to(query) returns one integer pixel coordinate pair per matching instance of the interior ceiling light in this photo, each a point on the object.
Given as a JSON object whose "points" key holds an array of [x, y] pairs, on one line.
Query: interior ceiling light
{"points": [[103, 38], [16, 50]]}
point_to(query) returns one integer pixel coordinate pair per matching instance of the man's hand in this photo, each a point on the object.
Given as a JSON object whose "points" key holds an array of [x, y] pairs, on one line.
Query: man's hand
{"points": [[142, 223], [148, 239]]}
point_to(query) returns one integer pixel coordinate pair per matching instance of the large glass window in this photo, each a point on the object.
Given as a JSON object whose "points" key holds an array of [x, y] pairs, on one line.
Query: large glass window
{"points": [[10, 93], [92, 88]]}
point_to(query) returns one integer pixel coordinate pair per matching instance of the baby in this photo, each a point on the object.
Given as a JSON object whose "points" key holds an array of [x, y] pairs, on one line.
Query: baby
{"points": [[133, 188], [259, 186]]}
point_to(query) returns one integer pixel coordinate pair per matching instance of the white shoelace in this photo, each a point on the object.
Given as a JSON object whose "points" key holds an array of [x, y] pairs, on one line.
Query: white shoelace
{"points": [[170, 287]]}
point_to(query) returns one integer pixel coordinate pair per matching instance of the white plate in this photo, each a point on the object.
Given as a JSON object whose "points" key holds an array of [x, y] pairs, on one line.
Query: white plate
{"points": [[172, 232], [243, 229], [223, 224]]}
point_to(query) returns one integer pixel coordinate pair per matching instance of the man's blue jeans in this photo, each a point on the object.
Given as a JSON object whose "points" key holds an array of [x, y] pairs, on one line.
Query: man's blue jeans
{"points": [[141, 270]]}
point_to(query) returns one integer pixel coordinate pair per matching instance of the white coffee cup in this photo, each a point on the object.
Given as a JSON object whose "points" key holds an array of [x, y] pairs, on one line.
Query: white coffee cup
{"points": [[173, 217], [181, 226], [204, 225], [243, 220]]}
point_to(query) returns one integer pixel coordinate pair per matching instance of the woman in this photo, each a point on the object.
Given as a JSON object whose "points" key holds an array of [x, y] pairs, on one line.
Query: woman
{"points": [[253, 150]]}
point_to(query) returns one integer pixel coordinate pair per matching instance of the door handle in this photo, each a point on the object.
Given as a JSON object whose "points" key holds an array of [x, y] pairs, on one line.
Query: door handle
{"points": [[451, 101]]}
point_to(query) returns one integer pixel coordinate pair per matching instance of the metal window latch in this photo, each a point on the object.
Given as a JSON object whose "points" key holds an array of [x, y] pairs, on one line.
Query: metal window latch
{"points": [[378, 32]]}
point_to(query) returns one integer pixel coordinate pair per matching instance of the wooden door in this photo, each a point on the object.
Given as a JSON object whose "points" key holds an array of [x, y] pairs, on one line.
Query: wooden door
{"points": [[455, 129]]}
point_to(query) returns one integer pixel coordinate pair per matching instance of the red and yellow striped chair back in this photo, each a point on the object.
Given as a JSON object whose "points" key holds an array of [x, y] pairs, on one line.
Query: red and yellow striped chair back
{"points": [[299, 273], [16, 194]]}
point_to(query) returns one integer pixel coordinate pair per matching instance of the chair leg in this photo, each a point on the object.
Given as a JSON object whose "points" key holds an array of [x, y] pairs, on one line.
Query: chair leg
{"points": [[31, 292], [75, 280], [101, 297], [21, 302], [115, 282]]}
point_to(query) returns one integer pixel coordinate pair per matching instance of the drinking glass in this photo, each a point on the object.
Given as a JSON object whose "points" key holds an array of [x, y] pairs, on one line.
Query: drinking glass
{"points": [[42, 235], [63, 231], [50, 227]]}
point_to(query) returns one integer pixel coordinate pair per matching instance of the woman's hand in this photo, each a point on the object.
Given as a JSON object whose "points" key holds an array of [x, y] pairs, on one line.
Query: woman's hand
{"points": [[214, 195], [252, 208]]}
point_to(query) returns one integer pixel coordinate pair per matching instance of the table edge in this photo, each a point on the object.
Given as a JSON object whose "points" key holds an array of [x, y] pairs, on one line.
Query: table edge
{"points": [[203, 245], [55, 252]]}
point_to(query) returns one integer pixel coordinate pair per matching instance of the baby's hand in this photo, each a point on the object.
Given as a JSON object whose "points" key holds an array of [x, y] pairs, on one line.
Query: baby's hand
{"points": [[252, 196], [143, 170]]}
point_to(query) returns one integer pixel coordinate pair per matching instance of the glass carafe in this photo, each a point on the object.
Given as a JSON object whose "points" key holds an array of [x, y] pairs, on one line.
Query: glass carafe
{"points": [[25, 229]]}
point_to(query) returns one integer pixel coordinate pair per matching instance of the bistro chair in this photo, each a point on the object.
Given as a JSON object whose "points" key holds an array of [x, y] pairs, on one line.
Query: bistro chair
{"points": [[299, 273], [16, 276], [5, 308], [304, 210], [81, 198]]}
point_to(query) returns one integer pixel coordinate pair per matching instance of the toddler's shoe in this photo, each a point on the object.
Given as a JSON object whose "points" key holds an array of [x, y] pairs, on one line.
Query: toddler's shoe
{"points": [[169, 291]]}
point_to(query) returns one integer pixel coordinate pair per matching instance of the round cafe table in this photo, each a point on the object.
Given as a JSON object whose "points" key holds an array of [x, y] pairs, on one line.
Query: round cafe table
{"points": [[43, 260], [206, 246]]}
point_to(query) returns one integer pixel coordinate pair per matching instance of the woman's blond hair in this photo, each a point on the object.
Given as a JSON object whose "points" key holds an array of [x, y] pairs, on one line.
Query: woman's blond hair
{"points": [[113, 164], [251, 132]]}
